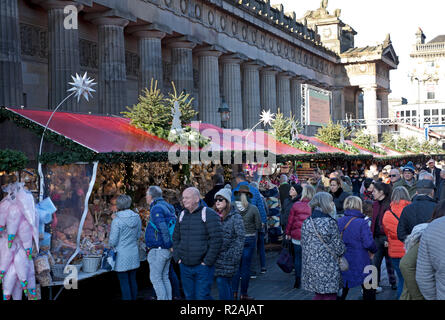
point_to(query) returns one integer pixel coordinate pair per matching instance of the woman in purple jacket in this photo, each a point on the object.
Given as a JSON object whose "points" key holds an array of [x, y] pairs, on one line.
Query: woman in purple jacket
{"points": [[360, 247]]}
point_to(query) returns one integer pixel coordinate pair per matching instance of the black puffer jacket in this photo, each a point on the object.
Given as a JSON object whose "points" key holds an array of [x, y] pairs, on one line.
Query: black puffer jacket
{"points": [[285, 209], [418, 212], [194, 241], [229, 257]]}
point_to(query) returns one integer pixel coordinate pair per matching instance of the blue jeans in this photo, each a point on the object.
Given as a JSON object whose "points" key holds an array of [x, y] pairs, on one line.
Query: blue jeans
{"points": [[211, 278], [244, 269], [261, 250], [128, 284], [297, 261], [400, 282], [224, 288], [176, 286], [195, 281]]}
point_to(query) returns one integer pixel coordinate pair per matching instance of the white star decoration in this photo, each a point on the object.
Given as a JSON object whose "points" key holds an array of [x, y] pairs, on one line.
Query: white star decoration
{"points": [[267, 117], [82, 86]]}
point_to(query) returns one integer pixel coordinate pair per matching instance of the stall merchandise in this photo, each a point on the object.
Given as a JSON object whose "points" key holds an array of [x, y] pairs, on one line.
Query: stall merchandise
{"points": [[19, 237]]}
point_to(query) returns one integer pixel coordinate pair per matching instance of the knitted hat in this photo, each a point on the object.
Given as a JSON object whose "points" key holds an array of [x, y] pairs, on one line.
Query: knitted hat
{"points": [[297, 187], [225, 193], [410, 167], [228, 186]]}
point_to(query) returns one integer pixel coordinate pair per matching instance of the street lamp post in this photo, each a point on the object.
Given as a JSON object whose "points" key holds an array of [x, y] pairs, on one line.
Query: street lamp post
{"points": [[224, 111]]}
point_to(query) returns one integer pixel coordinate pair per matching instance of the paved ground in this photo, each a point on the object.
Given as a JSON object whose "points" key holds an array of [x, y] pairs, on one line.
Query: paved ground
{"points": [[274, 285], [277, 285]]}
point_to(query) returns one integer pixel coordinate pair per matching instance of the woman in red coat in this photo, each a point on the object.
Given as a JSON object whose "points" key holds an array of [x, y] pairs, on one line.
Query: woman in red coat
{"points": [[399, 200], [300, 211]]}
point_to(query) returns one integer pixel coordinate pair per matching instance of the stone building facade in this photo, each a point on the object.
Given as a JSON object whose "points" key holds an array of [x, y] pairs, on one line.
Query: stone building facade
{"points": [[254, 55]]}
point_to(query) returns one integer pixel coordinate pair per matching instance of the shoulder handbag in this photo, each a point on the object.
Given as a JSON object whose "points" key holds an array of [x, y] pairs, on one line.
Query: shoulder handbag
{"points": [[285, 260], [342, 262]]}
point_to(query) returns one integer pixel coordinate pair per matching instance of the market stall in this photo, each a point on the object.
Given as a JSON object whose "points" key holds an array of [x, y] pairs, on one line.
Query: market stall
{"points": [[106, 157]]}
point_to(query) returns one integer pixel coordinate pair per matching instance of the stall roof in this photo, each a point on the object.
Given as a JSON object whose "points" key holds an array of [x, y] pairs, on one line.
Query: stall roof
{"points": [[99, 133], [235, 140], [104, 134]]}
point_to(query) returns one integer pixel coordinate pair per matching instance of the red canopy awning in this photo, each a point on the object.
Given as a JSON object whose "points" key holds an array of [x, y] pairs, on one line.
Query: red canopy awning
{"points": [[104, 134], [99, 133]]}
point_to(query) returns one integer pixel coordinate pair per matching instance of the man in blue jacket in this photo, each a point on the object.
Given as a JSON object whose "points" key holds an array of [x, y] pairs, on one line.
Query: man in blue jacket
{"points": [[159, 242]]}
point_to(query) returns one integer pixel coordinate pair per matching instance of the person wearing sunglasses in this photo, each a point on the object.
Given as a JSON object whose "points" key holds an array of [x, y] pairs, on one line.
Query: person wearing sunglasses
{"points": [[394, 176], [252, 225], [229, 257]]}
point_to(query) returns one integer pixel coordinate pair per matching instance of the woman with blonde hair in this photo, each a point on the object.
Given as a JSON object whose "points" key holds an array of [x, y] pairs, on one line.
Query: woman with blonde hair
{"points": [[321, 248], [360, 247], [252, 224], [399, 200], [300, 211]]}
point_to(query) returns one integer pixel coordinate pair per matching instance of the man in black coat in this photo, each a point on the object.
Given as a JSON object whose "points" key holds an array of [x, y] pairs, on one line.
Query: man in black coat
{"points": [[218, 182], [441, 189], [435, 171], [197, 240], [284, 189], [419, 211]]}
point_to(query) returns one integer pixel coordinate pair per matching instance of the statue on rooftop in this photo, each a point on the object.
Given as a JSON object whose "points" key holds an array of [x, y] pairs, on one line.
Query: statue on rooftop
{"points": [[324, 4]]}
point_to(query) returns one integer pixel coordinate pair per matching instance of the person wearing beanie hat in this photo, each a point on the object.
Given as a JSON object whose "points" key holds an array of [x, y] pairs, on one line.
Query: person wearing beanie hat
{"points": [[229, 257], [408, 181], [225, 193]]}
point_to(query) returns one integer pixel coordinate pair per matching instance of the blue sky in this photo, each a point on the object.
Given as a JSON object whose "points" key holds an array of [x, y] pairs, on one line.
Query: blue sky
{"points": [[373, 19]]}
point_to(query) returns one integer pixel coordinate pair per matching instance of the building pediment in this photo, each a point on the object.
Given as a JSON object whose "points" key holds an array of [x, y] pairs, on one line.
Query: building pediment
{"points": [[371, 53], [390, 57]]}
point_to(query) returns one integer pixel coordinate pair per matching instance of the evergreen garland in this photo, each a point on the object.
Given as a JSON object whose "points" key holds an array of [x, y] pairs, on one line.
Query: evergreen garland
{"points": [[12, 160]]}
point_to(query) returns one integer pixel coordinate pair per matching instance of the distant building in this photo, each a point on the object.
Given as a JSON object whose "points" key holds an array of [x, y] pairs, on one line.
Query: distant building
{"points": [[427, 91]]}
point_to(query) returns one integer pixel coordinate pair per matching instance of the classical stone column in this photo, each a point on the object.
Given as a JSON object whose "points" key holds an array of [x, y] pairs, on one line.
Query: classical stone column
{"points": [[269, 89], [209, 91], [150, 53], [370, 108], [283, 93], [251, 93], [338, 104], [112, 87], [295, 98], [182, 63], [11, 84], [231, 70], [383, 95]]}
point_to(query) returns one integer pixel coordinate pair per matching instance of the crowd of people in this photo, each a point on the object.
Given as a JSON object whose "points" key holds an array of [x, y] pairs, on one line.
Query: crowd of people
{"points": [[363, 217]]}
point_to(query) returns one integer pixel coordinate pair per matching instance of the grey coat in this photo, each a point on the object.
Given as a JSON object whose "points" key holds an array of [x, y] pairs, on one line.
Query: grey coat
{"points": [[320, 269], [125, 232], [430, 272], [229, 256]]}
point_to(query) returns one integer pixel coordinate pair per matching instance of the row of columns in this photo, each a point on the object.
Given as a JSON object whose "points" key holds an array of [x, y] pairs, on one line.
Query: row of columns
{"points": [[248, 86]]}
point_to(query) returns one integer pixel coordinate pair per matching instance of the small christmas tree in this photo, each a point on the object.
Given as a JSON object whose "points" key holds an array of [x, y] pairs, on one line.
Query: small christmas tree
{"points": [[185, 105], [151, 113]]}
